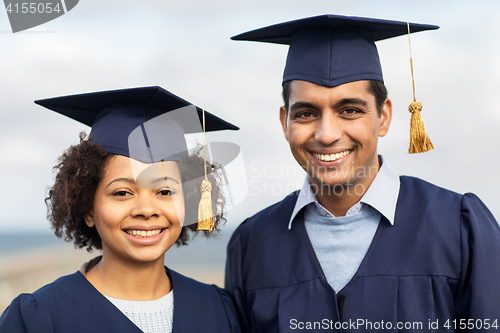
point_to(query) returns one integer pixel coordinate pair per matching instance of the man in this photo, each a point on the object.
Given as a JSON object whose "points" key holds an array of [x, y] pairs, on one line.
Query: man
{"points": [[358, 248]]}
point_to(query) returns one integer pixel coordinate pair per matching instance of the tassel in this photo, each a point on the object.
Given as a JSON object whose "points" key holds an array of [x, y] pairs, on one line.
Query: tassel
{"points": [[205, 212], [419, 140]]}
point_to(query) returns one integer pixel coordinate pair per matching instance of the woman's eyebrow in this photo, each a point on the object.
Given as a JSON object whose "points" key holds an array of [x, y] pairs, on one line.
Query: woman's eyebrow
{"points": [[127, 180], [165, 179]]}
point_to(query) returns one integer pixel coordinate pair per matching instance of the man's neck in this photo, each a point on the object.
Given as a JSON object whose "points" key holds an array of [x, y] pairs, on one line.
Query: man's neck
{"points": [[337, 205], [338, 199]]}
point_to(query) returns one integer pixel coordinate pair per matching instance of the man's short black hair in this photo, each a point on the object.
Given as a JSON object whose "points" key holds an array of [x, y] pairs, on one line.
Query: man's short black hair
{"points": [[376, 88]]}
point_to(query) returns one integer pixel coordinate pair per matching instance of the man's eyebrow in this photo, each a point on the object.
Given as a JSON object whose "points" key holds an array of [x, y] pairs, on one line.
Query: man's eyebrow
{"points": [[306, 105], [346, 101], [302, 105], [127, 180]]}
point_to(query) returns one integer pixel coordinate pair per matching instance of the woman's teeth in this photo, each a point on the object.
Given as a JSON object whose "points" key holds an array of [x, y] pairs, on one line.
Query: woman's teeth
{"points": [[143, 233], [331, 157]]}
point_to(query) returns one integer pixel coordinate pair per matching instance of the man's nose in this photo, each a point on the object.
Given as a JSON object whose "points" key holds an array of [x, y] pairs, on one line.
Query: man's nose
{"points": [[328, 130]]}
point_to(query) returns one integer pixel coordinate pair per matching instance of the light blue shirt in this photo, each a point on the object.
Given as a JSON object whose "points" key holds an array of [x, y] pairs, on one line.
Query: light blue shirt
{"points": [[382, 195], [341, 243]]}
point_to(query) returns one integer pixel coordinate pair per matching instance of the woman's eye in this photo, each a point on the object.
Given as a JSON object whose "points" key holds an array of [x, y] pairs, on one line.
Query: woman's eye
{"points": [[121, 193], [165, 192]]}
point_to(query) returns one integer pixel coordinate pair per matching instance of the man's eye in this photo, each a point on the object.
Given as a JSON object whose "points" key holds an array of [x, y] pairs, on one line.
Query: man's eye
{"points": [[304, 114], [350, 111]]}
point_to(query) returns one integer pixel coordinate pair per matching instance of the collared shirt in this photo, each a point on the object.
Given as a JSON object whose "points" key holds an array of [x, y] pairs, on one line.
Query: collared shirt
{"points": [[382, 195], [341, 243]]}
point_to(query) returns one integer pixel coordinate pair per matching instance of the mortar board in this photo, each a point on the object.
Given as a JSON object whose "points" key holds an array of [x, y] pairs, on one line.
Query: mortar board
{"points": [[146, 123], [331, 50]]}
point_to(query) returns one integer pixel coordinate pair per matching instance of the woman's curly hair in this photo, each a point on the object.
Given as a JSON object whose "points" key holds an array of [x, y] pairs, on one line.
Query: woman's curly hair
{"points": [[80, 169]]}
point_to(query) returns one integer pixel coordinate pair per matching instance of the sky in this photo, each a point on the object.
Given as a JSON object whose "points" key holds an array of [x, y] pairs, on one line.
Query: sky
{"points": [[185, 47]]}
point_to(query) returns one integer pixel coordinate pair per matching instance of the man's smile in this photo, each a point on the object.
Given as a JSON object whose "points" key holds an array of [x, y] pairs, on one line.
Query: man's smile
{"points": [[332, 157]]}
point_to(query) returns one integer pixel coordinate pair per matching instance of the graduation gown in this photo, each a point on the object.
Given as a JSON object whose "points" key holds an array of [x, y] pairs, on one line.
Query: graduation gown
{"points": [[439, 262], [72, 304]]}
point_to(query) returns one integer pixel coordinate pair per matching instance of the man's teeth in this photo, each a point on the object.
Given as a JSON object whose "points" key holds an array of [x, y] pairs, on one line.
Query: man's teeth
{"points": [[331, 157], [143, 233]]}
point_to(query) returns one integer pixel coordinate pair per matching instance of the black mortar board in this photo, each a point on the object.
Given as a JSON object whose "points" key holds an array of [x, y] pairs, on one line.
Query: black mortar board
{"points": [[146, 123], [331, 50]]}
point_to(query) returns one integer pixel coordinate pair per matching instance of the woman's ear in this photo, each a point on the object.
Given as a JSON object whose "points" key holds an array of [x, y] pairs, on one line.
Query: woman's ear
{"points": [[89, 220]]}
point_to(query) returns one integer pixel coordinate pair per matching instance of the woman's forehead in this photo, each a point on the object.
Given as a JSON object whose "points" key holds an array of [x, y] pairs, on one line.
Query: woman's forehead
{"points": [[142, 173]]}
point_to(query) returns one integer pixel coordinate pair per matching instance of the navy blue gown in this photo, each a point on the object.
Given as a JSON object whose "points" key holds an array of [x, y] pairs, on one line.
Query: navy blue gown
{"points": [[72, 304], [436, 269]]}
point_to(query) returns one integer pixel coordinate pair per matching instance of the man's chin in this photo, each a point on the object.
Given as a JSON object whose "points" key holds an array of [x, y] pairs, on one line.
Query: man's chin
{"points": [[336, 187], [334, 183]]}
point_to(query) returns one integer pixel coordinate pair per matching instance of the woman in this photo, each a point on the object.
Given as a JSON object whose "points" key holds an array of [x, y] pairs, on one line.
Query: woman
{"points": [[132, 191]]}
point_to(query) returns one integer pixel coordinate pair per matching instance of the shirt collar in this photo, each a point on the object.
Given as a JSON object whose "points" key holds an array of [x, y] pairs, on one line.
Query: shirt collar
{"points": [[382, 194]]}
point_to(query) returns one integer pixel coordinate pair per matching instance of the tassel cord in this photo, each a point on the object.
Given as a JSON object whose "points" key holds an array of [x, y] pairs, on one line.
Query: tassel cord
{"points": [[419, 140]]}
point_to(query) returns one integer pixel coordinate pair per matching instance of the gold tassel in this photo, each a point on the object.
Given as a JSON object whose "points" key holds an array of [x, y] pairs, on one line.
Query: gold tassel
{"points": [[419, 140], [205, 212]]}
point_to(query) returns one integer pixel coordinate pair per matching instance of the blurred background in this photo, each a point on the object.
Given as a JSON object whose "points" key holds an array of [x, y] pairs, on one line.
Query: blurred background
{"points": [[184, 47]]}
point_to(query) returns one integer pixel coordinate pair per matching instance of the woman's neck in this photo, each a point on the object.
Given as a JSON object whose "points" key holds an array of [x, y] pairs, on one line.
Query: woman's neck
{"points": [[130, 280]]}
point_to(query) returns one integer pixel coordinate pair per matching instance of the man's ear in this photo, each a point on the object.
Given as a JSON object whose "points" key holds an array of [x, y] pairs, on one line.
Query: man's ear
{"points": [[89, 220], [283, 116], [385, 118]]}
